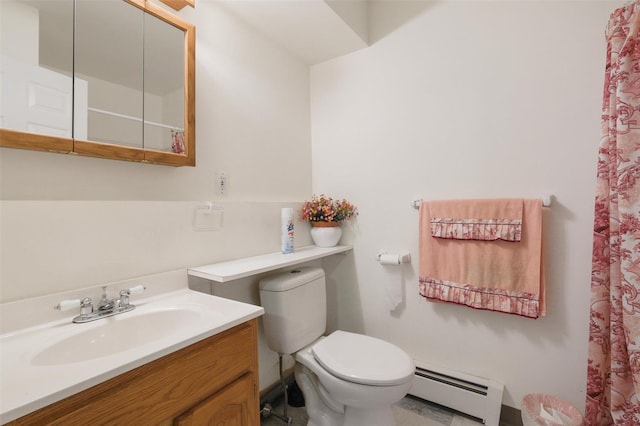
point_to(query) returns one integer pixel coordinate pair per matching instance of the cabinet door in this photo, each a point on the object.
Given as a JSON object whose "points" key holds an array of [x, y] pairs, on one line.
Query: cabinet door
{"points": [[229, 407]]}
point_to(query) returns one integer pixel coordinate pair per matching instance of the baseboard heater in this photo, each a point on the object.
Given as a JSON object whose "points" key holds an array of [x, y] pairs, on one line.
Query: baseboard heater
{"points": [[475, 396]]}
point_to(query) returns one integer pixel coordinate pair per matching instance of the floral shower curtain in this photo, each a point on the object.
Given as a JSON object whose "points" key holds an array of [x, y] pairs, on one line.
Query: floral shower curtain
{"points": [[613, 375]]}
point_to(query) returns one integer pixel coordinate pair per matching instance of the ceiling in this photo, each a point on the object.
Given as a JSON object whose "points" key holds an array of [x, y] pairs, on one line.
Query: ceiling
{"points": [[312, 30]]}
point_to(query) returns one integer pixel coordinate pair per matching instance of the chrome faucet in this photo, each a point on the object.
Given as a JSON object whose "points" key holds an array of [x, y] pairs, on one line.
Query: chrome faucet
{"points": [[106, 307], [105, 303]]}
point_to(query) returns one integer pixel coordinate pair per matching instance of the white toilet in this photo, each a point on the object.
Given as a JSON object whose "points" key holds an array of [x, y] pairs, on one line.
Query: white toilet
{"points": [[346, 378]]}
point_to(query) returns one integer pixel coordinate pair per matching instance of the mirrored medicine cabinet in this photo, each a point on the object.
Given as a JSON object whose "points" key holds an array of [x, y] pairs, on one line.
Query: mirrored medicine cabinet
{"points": [[103, 78]]}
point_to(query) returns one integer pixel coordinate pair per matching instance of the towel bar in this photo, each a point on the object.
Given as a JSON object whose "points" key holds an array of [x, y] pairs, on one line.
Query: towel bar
{"points": [[546, 202]]}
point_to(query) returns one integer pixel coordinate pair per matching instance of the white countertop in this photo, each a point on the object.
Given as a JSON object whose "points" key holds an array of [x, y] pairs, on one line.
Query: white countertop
{"points": [[247, 266], [27, 385]]}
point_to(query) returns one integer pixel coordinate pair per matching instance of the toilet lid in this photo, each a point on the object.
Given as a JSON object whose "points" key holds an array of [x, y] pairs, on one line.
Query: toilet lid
{"points": [[363, 359]]}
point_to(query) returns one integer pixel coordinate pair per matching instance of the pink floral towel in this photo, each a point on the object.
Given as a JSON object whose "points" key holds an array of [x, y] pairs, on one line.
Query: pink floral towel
{"points": [[497, 274], [486, 220]]}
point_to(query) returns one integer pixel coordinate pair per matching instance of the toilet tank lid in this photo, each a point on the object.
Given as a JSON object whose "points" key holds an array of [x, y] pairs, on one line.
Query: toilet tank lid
{"points": [[291, 279]]}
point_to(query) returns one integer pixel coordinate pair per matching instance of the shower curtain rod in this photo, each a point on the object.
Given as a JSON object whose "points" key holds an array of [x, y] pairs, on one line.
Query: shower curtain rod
{"points": [[546, 202]]}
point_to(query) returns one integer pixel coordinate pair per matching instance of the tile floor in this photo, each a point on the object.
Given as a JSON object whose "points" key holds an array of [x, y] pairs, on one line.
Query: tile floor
{"points": [[409, 411]]}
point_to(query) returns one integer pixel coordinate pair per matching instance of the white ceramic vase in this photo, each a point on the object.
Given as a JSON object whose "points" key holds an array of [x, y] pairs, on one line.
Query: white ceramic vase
{"points": [[326, 234]]}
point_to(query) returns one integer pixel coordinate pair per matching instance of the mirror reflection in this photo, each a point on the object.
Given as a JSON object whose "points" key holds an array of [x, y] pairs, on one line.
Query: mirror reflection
{"points": [[109, 57], [163, 86], [37, 94], [129, 69]]}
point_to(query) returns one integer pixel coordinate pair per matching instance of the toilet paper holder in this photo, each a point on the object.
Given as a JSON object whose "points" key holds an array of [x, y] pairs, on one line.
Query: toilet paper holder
{"points": [[393, 259]]}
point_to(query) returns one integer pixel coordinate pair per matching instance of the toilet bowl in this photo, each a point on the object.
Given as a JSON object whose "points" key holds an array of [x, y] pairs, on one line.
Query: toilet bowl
{"points": [[358, 377], [347, 378]]}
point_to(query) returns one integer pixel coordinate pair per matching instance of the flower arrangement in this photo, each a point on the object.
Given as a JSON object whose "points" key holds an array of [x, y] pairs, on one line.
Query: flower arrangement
{"points": [[326, 209]]}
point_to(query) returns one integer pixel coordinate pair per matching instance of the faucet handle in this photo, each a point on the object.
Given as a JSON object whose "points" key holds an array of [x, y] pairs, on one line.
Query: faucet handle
{"points": [[124, 294], [86, 306], [137, 289], [133, 290], [65, 305]]}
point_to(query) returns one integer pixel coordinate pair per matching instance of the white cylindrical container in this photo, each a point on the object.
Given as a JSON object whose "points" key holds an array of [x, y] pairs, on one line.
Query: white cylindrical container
{"points": [[286, 230]]}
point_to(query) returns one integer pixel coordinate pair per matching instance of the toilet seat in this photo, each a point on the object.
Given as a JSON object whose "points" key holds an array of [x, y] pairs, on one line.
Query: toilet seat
{"points": [[363, 359]]}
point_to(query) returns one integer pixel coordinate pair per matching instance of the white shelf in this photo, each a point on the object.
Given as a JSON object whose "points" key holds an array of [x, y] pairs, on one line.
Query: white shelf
{"points": [[245, 267]]}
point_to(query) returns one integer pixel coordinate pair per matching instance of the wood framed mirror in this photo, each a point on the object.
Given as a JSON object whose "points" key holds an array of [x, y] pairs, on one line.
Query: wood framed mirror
{"points": [[103, 78]]}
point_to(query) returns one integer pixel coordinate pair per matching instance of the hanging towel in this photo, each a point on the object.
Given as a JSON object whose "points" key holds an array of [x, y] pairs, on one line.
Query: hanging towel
{"points": [[486, 254]]}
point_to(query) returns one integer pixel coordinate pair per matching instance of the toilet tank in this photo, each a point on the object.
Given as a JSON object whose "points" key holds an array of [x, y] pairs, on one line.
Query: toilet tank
{"points": [[295, 305]]}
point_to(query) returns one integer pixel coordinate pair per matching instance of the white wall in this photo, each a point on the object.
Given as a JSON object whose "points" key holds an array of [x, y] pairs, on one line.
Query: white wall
{"points": [[468, 99]]}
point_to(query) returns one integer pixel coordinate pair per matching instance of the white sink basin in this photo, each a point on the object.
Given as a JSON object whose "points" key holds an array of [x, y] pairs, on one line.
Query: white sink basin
{"points": [[115, 334]]}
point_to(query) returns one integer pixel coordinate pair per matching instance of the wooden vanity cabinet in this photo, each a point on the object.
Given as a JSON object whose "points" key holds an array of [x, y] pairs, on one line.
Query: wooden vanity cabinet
{"points": [[212, 382]]}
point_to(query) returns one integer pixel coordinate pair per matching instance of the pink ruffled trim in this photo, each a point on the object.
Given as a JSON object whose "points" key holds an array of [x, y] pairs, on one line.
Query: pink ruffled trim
{"points": [[511, 302], [476, 229]]}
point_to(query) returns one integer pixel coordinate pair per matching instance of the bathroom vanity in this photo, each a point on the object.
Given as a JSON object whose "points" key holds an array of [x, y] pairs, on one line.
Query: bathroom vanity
{"points": [[214, 380], [180, 357]]}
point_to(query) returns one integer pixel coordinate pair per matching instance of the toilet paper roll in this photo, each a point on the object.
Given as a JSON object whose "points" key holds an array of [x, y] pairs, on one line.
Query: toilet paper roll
{"points": [[389, 259]]}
